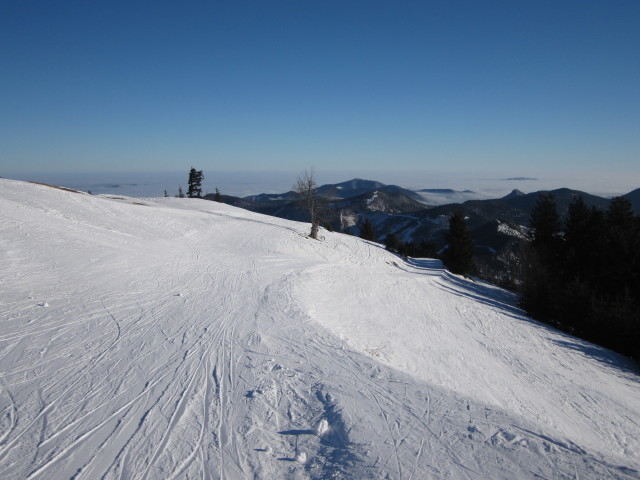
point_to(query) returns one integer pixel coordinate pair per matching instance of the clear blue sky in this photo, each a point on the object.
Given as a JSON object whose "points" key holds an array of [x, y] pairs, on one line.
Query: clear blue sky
{"points": [[513, 86]]}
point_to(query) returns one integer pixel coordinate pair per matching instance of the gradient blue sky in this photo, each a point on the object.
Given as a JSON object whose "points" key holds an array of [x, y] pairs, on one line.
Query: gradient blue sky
{"points": [[512, 87]]}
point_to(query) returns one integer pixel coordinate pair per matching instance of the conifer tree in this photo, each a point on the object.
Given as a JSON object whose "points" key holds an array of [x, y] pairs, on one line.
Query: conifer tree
{"points": [[366, 231], [583, 242], [392, 242], [458, 256], [541, 265], [217, 197], [546, 226], [617, 321], [576, 247], [622, 247], [195, 183]]}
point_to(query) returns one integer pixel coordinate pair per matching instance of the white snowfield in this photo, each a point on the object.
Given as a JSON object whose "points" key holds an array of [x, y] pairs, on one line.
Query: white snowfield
{"points": [[181, 338]]}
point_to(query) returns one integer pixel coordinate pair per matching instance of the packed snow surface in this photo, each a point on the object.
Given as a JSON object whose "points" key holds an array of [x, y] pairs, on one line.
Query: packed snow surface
{"points": [[182, 338]]}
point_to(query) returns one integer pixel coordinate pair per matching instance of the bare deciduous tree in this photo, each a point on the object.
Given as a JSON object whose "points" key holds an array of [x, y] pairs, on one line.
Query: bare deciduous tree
{"points": [[307, 189]]}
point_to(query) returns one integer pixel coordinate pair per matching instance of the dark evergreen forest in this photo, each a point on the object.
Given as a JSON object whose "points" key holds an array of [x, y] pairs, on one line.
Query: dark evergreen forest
{"points": [[583, 275]]}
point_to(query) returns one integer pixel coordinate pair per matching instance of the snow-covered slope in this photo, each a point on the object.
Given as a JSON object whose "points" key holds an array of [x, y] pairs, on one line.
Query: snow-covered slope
{"points": [[179, 338]]}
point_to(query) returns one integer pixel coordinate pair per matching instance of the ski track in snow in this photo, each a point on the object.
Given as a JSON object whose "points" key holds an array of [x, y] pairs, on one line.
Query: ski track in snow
{"points": [[189, 339]]}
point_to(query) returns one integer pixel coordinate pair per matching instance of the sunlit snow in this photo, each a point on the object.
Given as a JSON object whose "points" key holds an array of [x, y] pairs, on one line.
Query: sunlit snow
{"points": [[182, 338]]}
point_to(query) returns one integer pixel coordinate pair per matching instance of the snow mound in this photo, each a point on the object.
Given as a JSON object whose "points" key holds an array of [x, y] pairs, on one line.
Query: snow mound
{"points": [[322, 427]]}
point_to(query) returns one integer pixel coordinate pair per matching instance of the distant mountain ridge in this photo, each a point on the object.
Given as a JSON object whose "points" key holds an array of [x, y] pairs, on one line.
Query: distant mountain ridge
{"points": [[494, 223], [350, 188]]}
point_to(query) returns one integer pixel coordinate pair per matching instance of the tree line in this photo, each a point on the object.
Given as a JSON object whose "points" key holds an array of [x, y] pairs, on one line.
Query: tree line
{"points": [[580, 275], [583, 275]]}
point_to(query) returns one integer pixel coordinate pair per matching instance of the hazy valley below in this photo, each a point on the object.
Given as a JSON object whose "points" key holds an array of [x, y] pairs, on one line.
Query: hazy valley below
{"points": [[483, 185]]}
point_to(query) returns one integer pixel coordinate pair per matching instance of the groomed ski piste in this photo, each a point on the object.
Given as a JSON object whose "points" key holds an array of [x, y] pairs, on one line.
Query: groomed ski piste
{"points": [[181, 338]]}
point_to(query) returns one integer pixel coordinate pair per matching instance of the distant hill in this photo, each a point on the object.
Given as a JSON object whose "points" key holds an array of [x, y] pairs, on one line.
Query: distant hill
{"points": [[384, 200], [495, 224], [514, 193], [271, 198], [357, 187], [350, 188], [634, 198], [517, 208]]}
